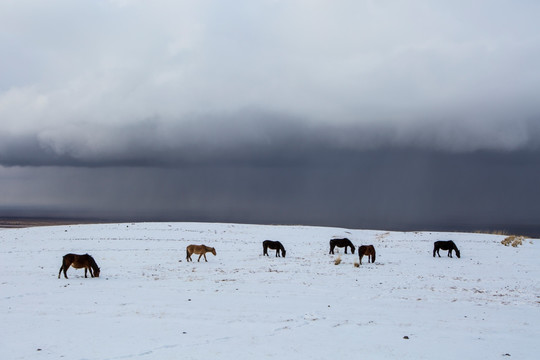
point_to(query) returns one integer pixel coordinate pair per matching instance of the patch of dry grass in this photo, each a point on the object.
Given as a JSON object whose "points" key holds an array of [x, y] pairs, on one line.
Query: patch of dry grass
{"points": [[337, 261], [513, 240], [492, 232]]}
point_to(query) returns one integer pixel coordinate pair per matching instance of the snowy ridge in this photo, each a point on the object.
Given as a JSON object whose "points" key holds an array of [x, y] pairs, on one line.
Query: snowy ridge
{"points": [[149, 303]]}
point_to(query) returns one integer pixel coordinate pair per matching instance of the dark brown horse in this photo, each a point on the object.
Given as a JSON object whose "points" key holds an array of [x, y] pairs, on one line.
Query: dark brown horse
{"points": [[79, 261], [368, 250], [341, 243], [274, 245], [200, 250], [445, 245]]}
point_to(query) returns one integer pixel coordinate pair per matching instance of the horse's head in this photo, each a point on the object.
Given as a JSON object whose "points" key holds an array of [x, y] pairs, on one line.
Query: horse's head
{"points": [[458, 254], [283, 252], [214, 251], [96, 272], [352, 249]]}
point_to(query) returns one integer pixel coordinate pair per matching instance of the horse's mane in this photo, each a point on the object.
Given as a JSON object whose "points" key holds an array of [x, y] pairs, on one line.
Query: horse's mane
{"points": [[92, 262]]}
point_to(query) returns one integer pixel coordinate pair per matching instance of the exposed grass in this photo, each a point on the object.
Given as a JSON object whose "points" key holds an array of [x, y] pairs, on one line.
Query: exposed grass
{"points": [[493, 232], [513, 240]]}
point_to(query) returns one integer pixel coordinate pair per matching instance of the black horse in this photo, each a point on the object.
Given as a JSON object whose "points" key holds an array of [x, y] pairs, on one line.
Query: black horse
{"points": [[341, 243], [274, 245], [445, 245]]}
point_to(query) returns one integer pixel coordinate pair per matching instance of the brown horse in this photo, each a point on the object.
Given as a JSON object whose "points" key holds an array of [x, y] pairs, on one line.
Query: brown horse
{"points": [[79, 261], [199, 249], [274, 245], [368, 250]]}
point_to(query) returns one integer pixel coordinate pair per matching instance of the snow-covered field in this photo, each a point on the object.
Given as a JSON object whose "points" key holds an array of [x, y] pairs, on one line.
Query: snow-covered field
{"points": [[149, 303]]}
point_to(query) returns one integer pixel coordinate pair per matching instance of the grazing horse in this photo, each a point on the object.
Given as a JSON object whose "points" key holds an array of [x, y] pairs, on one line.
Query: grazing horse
{"points": [[199, 249], [368, 250], [79, 261], [445, 245], [341, 243], [274, 245]]}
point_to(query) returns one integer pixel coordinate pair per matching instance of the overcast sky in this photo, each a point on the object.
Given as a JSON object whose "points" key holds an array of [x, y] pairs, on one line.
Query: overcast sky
{"points": [[272, 111]]}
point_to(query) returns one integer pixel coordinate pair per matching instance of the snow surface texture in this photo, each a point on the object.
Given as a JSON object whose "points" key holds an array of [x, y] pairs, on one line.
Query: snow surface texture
{"points": [[149, 303]]}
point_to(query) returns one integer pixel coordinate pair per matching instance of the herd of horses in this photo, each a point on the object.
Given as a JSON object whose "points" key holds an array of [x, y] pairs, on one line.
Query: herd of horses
{"points": [[89, 264]]}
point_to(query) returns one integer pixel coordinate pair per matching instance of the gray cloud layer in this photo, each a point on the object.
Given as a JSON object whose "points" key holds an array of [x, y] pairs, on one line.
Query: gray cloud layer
{"points": [[173, 81], [249, 137]]}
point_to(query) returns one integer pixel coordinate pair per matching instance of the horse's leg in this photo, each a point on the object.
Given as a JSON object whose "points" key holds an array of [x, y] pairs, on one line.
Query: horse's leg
{"points": [[265, 250], [277, 252], [64, 267], [346, 249], [204, 254], [450, 253], [331, 250], [199, 259], [91, 272]]}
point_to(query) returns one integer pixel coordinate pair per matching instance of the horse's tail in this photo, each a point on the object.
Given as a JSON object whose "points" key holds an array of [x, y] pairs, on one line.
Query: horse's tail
{"points": [[61, 268], [374, 255], [187, 254]]}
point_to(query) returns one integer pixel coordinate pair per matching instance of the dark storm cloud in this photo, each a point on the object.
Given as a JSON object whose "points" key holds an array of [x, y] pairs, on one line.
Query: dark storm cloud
{"points": [[387, 189], [250, 137], [353, 113], [133, 83]]}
